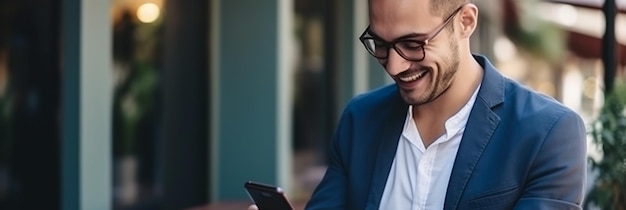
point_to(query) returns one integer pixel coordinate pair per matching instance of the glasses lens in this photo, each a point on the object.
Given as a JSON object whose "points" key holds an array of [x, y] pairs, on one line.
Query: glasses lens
{"points": [[377, 48], [411, 50]]}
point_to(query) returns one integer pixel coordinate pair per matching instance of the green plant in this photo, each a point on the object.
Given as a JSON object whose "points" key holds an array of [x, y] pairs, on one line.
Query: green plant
{"points": [[134, 103], [609, 134]]}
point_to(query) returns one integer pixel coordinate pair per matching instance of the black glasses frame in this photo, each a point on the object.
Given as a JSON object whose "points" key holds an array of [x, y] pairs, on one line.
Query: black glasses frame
{"points": [[371, 42]]}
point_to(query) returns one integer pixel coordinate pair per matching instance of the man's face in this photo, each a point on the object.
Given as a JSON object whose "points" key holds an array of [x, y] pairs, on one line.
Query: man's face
{"points": [[423, 81]]}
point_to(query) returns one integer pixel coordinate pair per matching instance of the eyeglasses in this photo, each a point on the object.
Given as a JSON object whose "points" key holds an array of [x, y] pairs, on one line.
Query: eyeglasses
{"points": [[409, 49]]}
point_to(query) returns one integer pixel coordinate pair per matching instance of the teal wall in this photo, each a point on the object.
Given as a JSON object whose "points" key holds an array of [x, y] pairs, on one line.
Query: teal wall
{"points": [[377, 75], [246, 96], [86, 109], [345, 48]]}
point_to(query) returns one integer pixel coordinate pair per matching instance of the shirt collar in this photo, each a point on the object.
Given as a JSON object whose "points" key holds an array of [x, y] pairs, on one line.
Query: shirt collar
{"points": [[453, 125]]}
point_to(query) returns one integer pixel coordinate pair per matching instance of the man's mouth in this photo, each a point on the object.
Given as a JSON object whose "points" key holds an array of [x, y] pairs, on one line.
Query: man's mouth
{"points": [[412, 76]]}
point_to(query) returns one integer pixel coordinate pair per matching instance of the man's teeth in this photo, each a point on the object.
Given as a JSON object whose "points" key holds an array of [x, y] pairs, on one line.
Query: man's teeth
{"points": [[413, 77]]}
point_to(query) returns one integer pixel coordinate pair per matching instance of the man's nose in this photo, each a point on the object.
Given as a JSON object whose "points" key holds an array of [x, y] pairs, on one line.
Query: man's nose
{"points": [[396, 63]]}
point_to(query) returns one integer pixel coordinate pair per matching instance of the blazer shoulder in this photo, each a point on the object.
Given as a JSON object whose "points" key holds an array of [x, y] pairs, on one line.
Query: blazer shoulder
{"points": [[530, 106]]}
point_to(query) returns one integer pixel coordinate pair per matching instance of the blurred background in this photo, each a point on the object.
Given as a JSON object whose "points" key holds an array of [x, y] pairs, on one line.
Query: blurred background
{"points": [[162, 104]]}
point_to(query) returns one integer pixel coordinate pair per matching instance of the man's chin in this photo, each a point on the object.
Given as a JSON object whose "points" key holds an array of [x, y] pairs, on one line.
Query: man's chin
{"points": [[411, 99]]}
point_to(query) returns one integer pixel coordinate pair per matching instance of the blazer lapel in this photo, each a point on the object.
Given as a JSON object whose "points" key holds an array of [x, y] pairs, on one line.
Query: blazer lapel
{"points": [[478, 131], [388, 143]]}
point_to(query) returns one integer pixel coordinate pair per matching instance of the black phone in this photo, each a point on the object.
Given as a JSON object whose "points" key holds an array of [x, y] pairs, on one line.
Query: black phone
{"points": [[267, 197]]}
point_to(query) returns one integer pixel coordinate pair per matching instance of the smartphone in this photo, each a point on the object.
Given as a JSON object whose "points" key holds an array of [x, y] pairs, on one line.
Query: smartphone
{"points": [[267, 197]]}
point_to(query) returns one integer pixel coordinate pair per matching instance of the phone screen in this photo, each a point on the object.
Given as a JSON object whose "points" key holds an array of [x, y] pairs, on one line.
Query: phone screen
{"points": [[267, 197]]}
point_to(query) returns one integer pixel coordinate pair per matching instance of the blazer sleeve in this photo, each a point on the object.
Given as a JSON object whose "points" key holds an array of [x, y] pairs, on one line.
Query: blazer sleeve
{"points": [[557, 176], [331, 193]]}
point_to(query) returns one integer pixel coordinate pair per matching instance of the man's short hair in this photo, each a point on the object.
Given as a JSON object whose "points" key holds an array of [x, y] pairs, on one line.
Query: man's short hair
{"points": [[443, 8]]}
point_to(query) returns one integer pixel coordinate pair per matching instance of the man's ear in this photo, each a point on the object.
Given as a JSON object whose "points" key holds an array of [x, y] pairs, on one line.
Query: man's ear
{"points": [[469, 19]]}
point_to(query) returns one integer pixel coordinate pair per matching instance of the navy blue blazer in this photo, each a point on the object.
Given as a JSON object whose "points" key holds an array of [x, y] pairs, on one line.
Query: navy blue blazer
{"points": [[520, 150]]}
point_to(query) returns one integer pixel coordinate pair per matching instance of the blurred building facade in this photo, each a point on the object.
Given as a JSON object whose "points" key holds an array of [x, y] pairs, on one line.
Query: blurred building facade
{"points": [[158, 104]]}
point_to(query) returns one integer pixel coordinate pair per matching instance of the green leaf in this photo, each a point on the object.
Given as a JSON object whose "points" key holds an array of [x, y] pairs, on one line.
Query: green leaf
{"points": [[608, 132]]}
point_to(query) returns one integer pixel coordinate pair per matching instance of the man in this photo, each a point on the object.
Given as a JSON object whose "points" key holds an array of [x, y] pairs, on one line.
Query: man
{"points": [[452, 133]]}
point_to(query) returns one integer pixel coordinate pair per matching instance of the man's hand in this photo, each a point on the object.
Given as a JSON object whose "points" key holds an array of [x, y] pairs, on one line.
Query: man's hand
{"points": [[253, 207]]}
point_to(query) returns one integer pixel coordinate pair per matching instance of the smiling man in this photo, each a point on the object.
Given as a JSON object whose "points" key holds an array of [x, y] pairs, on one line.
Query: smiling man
{"points": [[452, 132]]}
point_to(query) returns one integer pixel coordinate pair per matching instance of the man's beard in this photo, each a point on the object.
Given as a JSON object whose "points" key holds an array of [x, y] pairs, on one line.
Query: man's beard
{"points": [[444, 79]]}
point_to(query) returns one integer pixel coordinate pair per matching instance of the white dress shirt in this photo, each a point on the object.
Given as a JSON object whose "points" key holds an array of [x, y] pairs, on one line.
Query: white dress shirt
{"points": [[419, 176]]}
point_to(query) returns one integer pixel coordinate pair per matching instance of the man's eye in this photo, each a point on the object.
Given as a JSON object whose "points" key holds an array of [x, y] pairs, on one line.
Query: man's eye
{"points": [[410, 45]]}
